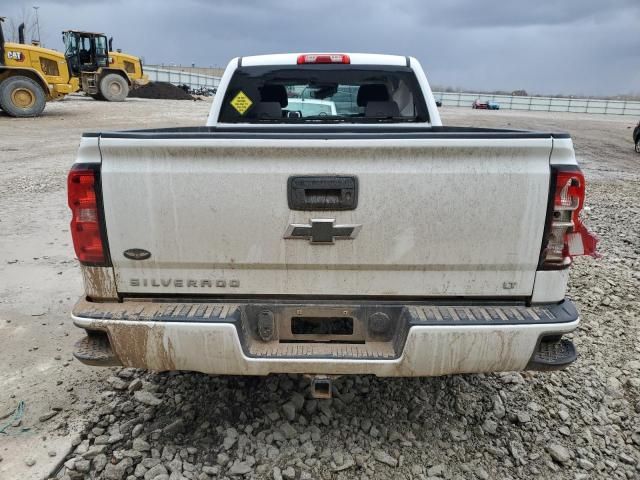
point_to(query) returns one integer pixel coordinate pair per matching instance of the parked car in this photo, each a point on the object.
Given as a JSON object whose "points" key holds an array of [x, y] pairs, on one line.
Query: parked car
{"points": [[636, 137], [369, 241], [478, 104], [307, 107], [344, 99]]}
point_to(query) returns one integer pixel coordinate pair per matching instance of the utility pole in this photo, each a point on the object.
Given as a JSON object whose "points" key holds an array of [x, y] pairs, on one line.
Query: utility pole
{"points": [[37, 23]]}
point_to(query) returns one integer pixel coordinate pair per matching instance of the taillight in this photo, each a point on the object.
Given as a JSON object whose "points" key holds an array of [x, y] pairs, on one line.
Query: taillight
{"points": [[323, 58], [86, 231], [567, 237]]}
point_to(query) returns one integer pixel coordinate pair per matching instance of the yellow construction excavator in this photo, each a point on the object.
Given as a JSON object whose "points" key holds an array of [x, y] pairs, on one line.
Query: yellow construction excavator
{"points": [[103, 73], [30, 76]]}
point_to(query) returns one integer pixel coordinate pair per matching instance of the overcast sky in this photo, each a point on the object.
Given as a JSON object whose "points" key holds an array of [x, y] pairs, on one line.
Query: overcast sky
{"points": [[542, 46]]}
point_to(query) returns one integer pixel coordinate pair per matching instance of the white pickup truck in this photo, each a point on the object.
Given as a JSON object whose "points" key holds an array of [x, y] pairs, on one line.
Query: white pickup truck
{"points": [[361, 239]]}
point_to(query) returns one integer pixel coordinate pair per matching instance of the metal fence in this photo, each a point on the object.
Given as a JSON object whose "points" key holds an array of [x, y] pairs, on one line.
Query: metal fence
{"points": [[448, 99], [543, 104], [209, 71], [194, 80]]}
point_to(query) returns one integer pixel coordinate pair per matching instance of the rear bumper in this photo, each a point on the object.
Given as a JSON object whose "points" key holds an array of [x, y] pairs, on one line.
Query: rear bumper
{"points": [[427, 339]]}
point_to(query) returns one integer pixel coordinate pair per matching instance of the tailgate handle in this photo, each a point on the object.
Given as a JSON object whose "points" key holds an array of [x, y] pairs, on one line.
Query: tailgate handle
{"points": [[323, 192]]}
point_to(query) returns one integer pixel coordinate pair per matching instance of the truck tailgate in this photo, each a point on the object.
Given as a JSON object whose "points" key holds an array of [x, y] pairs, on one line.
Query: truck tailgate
{"points": [[434, 216]]}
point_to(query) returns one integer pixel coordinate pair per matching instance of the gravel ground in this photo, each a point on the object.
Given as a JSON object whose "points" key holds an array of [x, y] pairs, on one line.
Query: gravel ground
{"points": [[580, 423]]}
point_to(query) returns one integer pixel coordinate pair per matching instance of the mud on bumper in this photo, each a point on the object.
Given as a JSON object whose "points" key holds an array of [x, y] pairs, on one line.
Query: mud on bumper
{"points": [[384, 339]]}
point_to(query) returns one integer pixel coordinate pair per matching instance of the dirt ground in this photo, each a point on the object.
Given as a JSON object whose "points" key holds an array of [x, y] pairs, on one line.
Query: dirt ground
{"points": [[591, 410]]}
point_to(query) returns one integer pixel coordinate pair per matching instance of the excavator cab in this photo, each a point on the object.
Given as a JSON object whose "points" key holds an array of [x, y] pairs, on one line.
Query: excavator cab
{"points": [[85, 51]]}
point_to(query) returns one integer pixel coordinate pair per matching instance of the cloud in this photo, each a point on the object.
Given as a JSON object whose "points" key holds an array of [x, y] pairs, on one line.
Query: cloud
{"points": [[574, 46]]}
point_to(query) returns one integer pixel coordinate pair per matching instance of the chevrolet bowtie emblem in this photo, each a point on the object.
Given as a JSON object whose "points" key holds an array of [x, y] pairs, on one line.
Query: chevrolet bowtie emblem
{"points": [[322, 231]]}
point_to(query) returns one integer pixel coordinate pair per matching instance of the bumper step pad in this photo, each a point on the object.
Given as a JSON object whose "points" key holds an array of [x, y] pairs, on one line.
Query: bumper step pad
{"points": [[416, 314], [489, 315], [553, 355], [95, 350], [158, 311]]}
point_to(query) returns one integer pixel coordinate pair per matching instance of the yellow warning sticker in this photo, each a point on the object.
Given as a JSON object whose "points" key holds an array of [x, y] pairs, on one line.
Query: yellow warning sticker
{"points": [[241, 102]]}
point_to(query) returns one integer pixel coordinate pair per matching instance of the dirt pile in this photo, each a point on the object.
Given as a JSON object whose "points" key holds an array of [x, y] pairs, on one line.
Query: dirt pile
{"points": [[160, 91]]}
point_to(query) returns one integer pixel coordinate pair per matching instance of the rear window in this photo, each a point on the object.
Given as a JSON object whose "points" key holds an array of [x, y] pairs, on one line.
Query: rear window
{"points": [[324, 94]]}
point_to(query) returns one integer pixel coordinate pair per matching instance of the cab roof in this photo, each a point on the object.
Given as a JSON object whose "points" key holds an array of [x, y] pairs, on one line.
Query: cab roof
{"points": [[354, 59], [82, 32]]}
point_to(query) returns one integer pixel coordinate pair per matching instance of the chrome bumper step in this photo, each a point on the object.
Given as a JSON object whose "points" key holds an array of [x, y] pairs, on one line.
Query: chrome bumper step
{"points": [[554, 354], [95, 350]]}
